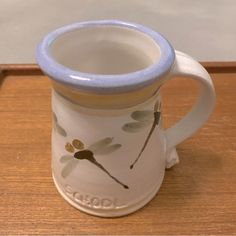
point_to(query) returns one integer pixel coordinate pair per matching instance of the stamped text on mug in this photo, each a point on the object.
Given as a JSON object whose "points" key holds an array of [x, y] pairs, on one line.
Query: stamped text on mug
{"points": [[92, 201]]}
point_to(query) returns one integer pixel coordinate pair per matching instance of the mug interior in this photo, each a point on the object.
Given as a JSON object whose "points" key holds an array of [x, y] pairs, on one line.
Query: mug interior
{"points": [[105, 50]]}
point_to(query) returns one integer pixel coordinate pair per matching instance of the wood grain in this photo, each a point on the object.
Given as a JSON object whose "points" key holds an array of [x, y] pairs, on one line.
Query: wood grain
{"points": [[198, 196]]}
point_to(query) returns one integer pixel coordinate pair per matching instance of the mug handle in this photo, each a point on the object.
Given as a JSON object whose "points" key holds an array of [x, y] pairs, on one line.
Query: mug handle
{"points": [[187, 67]]}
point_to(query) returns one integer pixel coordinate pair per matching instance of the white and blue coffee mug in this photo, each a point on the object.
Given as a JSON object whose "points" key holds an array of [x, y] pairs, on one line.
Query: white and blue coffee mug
{"points": [[109, 149]]}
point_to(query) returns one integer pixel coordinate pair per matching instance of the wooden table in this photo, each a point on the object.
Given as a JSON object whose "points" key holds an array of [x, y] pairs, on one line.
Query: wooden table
{"points": [[198, 196]]}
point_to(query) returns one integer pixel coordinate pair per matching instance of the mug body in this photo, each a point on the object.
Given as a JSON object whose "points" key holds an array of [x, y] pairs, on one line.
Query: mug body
{"points": [[108, 144], [94, 153]]}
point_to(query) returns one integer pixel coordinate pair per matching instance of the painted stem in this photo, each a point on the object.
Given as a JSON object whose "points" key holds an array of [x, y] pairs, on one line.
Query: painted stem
{"points": [[157, 115], [102, 168], [88, 155]]}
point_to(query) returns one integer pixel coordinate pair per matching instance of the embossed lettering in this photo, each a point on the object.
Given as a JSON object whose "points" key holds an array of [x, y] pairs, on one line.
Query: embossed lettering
{"points": [[107, 203], [68, 190], [78, 197], [95, 202], [92, 201], [87, 200]]}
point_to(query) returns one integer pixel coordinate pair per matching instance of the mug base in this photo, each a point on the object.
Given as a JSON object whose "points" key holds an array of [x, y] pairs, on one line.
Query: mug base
{"points": [[112, 212]]}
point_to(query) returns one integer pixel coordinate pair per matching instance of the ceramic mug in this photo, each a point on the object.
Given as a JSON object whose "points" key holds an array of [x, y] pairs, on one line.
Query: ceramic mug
{"points": [[109, 149]]}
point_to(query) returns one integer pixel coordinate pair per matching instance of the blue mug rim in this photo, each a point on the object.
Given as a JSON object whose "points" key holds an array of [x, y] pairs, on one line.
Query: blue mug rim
{"points": [[99, 83]]}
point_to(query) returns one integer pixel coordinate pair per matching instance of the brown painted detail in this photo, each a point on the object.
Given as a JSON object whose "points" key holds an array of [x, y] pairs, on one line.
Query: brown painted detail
{"points": [[157, 115], [78, 144], [101, 147], [69, 147], [142, 119], [89, 156]]}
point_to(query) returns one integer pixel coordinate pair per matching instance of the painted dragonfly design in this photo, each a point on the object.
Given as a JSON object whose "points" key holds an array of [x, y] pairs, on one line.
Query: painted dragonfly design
{"points": [[141, 120], [80, 153]]}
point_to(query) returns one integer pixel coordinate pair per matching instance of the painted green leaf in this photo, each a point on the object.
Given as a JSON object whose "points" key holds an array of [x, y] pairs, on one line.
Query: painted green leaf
{"points": [[57, 127], [60, 130], [144, 115], [134, 127], [54, 117], [100, 144], [108, 149], [66, 158], [69, 167]]}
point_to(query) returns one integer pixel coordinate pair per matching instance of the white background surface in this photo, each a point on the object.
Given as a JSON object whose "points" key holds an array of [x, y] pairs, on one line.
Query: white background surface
{"points": [[206, 29]]}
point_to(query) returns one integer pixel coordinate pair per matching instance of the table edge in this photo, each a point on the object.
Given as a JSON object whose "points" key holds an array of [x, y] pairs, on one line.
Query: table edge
{"points": [[33, 69]]}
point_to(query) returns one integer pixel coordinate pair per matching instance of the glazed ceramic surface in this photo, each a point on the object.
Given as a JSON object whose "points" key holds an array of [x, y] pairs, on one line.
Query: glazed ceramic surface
{"points": [[109, 149]]}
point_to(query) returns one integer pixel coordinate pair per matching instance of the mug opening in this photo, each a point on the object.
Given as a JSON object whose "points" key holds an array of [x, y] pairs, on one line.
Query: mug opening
{"points": [[105, 50], [105, 56]]}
